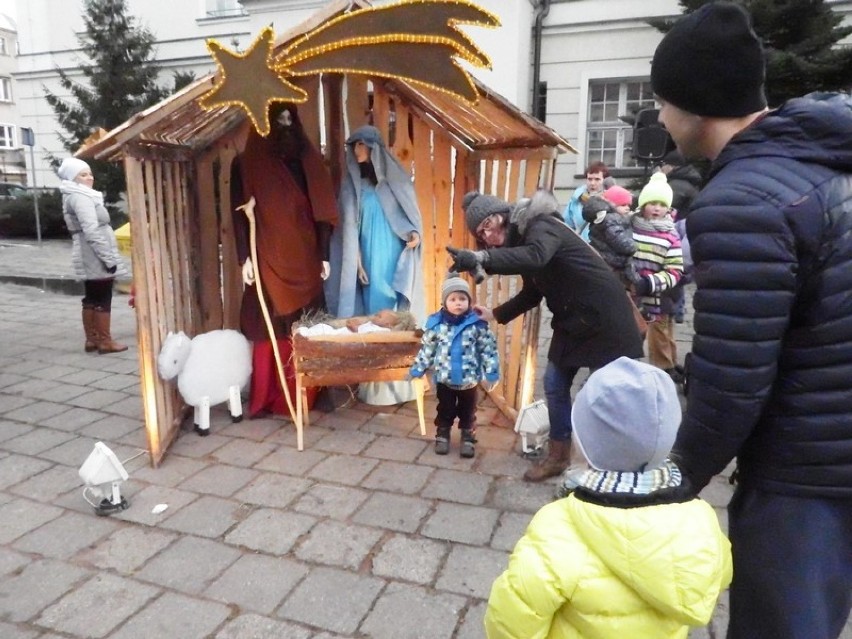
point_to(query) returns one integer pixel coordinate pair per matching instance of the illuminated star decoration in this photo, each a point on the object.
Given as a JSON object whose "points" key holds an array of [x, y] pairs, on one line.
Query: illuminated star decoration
{"points": [[412, 40], [249, 81]]}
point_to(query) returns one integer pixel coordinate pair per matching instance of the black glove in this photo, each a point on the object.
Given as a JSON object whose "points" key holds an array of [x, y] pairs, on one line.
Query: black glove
{"points": [[643, 286], [470, 261], [112, 269]]}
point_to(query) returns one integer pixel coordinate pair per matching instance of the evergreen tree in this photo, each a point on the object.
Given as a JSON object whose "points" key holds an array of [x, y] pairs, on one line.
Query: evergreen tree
{"points": [[120, 80], [800, 38]]}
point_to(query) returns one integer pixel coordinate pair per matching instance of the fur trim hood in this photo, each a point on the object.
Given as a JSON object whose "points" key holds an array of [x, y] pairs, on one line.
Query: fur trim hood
{"points": [[542, 202]]}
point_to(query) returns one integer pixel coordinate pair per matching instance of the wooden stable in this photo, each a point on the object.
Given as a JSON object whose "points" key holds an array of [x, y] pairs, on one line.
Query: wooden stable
{"points": [[177, 160]]}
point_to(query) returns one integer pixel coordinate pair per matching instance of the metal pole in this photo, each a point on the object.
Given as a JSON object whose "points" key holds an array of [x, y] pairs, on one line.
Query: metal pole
{"points": [[35, 199]]}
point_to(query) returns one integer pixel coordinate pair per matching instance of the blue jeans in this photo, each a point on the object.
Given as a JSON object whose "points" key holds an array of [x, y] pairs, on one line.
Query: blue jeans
{"points": [[792, 565], [557, 392]]}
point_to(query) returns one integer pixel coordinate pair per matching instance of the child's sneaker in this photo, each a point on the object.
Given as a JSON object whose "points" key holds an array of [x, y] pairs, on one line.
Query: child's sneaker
{"points": [[442, 441], [467, 443]]}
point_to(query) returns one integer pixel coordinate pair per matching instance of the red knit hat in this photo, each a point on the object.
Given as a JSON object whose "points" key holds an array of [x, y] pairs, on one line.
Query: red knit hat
{"points": [[618, 195]]}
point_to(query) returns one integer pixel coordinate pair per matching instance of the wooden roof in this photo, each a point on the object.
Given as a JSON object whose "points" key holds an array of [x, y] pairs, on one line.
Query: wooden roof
{"points": [[179, 124]]}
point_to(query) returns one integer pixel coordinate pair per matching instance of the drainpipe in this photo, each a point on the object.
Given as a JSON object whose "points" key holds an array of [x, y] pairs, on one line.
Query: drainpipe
{"points": [[542, 8]]}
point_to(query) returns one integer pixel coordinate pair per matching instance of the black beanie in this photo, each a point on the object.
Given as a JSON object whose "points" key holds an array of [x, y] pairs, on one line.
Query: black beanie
{"points": [[711, 63], [477, 207]]}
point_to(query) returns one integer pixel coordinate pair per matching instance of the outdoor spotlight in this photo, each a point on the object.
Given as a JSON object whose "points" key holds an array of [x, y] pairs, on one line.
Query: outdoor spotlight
{"points": [[103, 473], [533, 424]]}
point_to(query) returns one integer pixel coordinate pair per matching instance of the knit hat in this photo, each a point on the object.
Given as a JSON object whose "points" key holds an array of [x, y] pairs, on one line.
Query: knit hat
{"points": [[478, 206], [626, 416], [595, 208], [619, 196], [657, 190], [711, 63], [453, 284], [70, 168]]}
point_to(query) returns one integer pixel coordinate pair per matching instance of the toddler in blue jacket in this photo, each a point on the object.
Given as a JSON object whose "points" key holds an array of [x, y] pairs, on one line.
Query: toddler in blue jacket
{"points": [[461, 350]]}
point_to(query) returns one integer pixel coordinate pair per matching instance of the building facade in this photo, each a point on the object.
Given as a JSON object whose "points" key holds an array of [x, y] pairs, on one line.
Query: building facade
{"points": [[12, 166]]}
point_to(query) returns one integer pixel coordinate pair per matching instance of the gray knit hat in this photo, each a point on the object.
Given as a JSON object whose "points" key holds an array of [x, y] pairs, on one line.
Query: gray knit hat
{"points": [[477, 206], [626, 416], [452, 284]]}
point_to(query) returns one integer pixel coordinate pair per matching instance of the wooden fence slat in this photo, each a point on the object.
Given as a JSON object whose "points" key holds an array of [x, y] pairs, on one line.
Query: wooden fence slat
{"points": [[208, 250], [426, 204], [442, 187]]}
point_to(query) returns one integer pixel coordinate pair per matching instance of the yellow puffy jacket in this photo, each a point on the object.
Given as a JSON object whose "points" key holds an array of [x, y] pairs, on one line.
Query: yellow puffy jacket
{"points": [[585, 571]]}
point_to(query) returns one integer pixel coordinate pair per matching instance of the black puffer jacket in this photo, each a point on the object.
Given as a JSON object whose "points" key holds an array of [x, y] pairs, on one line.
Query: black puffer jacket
{"points": [[771, 372], [592, 320]]}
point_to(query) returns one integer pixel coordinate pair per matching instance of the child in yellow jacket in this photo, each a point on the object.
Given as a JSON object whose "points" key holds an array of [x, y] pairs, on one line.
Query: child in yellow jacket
{"points": [[629, 553]]}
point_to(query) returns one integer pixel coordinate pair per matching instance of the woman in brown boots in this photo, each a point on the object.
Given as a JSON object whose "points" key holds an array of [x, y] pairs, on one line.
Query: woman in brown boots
{"points": [[592, 317], [94, 253]]}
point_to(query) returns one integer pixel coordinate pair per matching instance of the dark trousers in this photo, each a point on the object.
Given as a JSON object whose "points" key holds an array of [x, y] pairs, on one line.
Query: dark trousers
{"points": [[454, 403], [98, 294], [792, 566]]}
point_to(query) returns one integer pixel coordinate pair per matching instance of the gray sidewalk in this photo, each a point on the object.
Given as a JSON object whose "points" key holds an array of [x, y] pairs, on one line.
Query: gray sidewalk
{"points": [[366, 533]]}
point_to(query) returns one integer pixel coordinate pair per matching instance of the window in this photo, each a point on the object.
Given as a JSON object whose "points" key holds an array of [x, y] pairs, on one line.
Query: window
{"points": [[608, 137], [7, 136], [224, 8], [5, 89], [4, 50]]}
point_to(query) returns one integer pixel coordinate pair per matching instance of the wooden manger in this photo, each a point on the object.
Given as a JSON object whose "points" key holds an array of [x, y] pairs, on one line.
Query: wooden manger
{"points": [[338, 360]]}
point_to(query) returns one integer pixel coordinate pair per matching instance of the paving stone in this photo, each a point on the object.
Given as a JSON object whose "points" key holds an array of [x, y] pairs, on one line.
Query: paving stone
{"points": [[452, 485], [144, 501], [61, 392], [130, 406], [510, 528], [398, 425], [98, 606], [471, 571], [257, 582], [497, 438], [10, 561], [55, 372], [343, 469], [38, 585], [395, 512], [253, 626], [73, 452], [96, 399], [126, 550], [337, 544], [8, 631], [20, 516], [253, 429], [497, 462], [208, 516], [344, 442], [461, 523], [85, 377], [111, 428], [410, 559], [172, 470], [243, 453], [472, 624], [399, 478], [47, 486], [219, 479], [175, 615], [518, 495], [32, 388], [189, 444], [189, 565], [73, 419], [285, 436], [37, 412], [397, 448], [66, 535], [37, 441], [427, 615], [291, 461], [9, 379], [11, 429], [451, 461], [270, 531], [17, 468], [273, 490], [717, 493], [327, 500], [344, 419], [115, 382], [332, 599]]}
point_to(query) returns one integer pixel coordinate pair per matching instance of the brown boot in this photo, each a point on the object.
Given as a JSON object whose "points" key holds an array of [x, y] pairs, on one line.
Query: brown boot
{"points": [[557, 460], [90, 330], [105, 342]]}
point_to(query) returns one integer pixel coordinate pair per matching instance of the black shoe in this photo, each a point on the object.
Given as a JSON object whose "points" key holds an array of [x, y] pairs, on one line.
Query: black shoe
{"points": [[675, 374], [442, 441], [468, 449]]}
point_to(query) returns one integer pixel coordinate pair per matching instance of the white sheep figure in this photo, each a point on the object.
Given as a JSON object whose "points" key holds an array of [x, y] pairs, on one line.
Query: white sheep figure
{"points": [[211, 368]]}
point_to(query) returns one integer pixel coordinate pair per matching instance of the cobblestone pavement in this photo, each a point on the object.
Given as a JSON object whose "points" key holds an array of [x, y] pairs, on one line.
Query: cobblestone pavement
{"points": [[366, 533]]}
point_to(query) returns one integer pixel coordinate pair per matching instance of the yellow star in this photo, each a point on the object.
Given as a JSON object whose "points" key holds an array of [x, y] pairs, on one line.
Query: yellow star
{"points": [[249, 81]]}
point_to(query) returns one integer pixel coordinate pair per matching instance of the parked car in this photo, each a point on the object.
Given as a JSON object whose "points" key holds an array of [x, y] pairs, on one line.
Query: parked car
{"points": [[11, 190]]}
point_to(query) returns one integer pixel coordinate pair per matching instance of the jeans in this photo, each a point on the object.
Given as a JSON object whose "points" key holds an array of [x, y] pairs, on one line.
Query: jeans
{"points": [[792, 565], [557, 392]]}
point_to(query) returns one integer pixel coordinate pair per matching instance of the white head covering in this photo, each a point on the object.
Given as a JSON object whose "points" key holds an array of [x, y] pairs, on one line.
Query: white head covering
{"points": [[70, 168]]}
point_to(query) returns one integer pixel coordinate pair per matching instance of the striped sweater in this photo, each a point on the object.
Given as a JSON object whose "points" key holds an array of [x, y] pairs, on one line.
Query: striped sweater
{"points": [[659, 257]]}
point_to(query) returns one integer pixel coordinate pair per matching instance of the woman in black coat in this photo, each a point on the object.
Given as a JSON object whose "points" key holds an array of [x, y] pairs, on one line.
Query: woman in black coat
{"points": [[592, 318]]}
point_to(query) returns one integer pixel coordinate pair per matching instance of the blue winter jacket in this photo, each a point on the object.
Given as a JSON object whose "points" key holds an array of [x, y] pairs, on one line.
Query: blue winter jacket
{"points": [[460, 355], [771, 371]]}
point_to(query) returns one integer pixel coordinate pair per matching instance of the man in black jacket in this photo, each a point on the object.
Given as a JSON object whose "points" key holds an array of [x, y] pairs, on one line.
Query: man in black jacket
{"points": [[771, 367], [592, 319]]}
